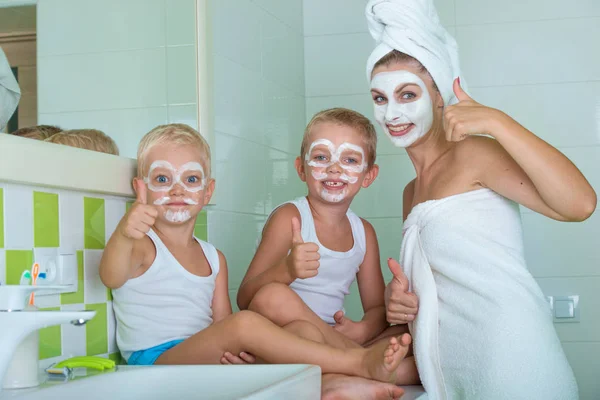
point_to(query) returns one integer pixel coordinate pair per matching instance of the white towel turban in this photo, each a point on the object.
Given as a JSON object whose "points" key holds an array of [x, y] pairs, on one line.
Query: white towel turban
{"points": [[10, 93], [413, 27]]}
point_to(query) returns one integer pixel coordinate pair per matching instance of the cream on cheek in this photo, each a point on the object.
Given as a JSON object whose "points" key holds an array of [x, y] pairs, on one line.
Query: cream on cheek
{"points": [[403, 122]]}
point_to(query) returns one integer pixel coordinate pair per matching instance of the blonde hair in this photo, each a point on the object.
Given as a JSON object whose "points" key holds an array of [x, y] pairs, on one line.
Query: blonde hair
{"points": [[349, 118], [90, 139], [39, 132], [178, 134]]}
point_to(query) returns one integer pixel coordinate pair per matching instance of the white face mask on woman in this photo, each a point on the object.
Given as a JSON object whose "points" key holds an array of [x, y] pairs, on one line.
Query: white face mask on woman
{"points": [[404, 114]]}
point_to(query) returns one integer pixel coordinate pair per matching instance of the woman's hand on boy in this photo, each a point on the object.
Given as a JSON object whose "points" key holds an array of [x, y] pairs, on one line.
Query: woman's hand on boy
{"points": [[140, 218], [243, 358], [401, 306], [303, 260]]}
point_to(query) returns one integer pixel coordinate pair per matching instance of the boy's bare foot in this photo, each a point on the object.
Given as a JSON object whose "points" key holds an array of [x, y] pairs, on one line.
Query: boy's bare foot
{"points": [[342, 387], [382, 360]]}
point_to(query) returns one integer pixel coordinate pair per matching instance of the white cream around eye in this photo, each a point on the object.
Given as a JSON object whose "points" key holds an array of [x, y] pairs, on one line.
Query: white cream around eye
{"points": [[395, 117], [335, 155], [176, 175]]}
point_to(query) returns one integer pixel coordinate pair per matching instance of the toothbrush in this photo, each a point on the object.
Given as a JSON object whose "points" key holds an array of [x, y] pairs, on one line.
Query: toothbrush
{"points": [[35, 270], [25, 277]]}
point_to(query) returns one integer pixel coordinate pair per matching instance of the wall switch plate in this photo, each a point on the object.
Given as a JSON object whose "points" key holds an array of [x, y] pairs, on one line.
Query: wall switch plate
{"points": [[60, 269], [564, 308]]}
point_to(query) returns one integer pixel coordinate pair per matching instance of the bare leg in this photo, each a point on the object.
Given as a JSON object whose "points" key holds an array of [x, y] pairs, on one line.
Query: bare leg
{"points": [[341, 387], [268, 302], [248, 331], [406, 373]]}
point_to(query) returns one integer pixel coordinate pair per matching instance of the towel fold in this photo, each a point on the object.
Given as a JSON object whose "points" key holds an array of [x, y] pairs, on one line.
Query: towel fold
{"points": [[10, 93], [484, 329], [413, 27]]}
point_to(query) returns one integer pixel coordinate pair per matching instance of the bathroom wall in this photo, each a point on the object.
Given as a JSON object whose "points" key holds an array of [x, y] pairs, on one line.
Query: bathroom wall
{"points": [[119, 66], [72, 222], [257, 52], [537, 61]]}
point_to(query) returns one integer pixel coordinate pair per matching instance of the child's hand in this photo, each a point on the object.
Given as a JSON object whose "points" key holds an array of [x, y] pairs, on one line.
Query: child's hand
{"points": [[353, 330], [140, 218], [303, 260], [243, 358], [401, 306]]}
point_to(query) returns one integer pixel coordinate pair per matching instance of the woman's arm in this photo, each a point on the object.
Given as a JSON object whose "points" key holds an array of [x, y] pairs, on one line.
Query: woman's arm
{"points": [[519, 165]]}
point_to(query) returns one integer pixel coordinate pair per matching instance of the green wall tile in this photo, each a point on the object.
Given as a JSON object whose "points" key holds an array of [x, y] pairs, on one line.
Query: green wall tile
{"points": [[50, 342], [116, 357], [1, 218], [201, 232], [109, 294], [96, 330], [17, 261], [202, 218], [128, 205], [45, 219], [94, 223], [77, 297]]}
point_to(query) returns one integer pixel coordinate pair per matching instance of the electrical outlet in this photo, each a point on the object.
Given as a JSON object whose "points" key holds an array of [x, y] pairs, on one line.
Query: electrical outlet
{"points": [[58, 269]]}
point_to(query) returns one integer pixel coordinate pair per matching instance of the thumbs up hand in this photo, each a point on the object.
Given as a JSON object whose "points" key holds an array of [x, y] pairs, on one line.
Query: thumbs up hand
{"points": [[401, 306], [468, 117], [303, 260], [141, 217]]}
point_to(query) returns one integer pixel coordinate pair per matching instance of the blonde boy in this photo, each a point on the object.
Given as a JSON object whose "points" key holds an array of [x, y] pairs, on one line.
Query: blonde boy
{"points": [[314, 247], [89, 139], [170, 289]]}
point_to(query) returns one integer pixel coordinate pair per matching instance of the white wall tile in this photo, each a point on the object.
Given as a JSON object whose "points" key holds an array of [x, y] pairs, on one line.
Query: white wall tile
{"points": [[361, 103], [71, 226], [389, 236], [181, 74], [446, 11], [240, 175], [187, 114], [73, 337], [284, 118], [233, 300], [283, 183], [563, 114], [469, 12], [235, 235], [528, 53], [2, 267], [336, 65], [181, 22], [94, 289], [112, 328], [559, 249], [86, 26], [384, 197], [18, 217], [588, 329], [289, 12], [238, 107], [236, 32], [585, 361], [125, 126], [114, 210], [123, 79], [586, 159], [282, 52], [334, 17]]}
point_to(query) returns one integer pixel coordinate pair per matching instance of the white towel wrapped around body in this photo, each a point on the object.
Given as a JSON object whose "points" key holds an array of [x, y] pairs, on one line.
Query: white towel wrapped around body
{"points": [[484, 329], [413, 27], [10, 93]]}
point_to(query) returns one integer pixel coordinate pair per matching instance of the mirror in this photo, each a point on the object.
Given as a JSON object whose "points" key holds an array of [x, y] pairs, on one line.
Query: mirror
{"points": [[102, 65]]}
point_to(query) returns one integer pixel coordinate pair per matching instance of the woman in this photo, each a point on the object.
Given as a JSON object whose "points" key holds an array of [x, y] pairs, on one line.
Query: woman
{"points": [[483, 330]]}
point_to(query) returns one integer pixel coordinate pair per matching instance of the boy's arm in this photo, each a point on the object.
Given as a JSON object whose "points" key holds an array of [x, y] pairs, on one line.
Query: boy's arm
{"points": [[271, 263], [125, 251], [221, 305], [371, 288]]}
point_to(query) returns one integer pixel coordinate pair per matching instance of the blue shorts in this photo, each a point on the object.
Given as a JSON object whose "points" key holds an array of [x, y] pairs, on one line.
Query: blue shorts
{"points": [[149, 356]]}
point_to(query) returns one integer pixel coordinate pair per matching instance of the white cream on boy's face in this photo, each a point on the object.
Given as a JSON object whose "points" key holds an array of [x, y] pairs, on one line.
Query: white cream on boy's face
{"points": [[335, 165], [176, 182], [403, 106]]}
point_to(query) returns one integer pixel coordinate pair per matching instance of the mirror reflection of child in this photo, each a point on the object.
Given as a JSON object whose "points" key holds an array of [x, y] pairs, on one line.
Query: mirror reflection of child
{"points": [[89, 139], [170, 291], [314, 247]]}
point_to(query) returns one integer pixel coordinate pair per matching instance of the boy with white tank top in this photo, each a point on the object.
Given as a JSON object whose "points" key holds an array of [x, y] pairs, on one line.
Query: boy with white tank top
{"points": [[313, 248], [170, 289]]}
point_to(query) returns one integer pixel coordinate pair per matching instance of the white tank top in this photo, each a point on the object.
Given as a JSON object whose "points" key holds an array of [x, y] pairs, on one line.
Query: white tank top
{"points": [[165, 303], [325, 293]]}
